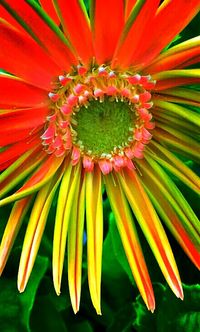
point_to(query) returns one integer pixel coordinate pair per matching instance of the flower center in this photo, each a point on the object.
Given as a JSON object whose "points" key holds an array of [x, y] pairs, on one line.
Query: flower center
{"points": [[99, 117], [103, 127]]}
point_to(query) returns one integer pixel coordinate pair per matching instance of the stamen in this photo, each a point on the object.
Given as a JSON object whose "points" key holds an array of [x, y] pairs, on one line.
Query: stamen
{"points": [[121, 125]]}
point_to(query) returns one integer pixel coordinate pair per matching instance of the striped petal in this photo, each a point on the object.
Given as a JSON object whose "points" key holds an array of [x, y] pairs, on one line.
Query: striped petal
{"points": [[13, 225], [181, 96], [66, 197], [152, 229], [75, 245], [177, 215], [48, 7], [34, 20], [106, 31], [171, 163], [176, 56], [170, 19], [134, 31], [130, 240], [94, 220], [41, 176], [35, 230], [80, 38], [30, 63], [171, 78]]}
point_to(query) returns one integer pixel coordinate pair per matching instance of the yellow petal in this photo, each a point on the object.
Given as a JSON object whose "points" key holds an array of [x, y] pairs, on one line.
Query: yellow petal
{"points": [[94, 218], [75, 245]]}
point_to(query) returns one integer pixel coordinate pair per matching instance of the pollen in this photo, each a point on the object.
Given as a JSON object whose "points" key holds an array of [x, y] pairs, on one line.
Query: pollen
{"points": [[99, 116]]}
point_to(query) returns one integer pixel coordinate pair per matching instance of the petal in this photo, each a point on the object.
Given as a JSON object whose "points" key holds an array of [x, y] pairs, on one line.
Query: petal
{"points": [[175, 56], [174, 218], [35, 229], [13, 225], [129, 4], [133, 35], [177, 141], [48, 7], [40, 177], [15, 150], [94, 221], [15, 92], [81, 37], [66, 198], [30, 62], [20, 169], [106, 30], [152, 229], [170, 19], [75, 246], [181, 96], [130, 240], [170, 78], [171, 163], [34, 20]]}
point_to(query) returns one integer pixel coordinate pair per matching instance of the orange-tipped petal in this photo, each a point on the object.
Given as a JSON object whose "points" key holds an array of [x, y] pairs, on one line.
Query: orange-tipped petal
{"points": [[152, 228], [171, 78], [12, 228], [94, 220], [130, 240], [75, 246], [35, 230], [66, 196], [174, 215]]}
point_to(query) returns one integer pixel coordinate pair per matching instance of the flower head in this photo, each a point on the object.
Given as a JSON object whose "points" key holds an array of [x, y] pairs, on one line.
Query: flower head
{"points": [[90, 102]]}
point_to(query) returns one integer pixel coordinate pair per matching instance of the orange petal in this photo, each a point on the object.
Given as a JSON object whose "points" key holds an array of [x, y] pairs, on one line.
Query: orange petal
{"points": [[152, 228], [130, 240]]}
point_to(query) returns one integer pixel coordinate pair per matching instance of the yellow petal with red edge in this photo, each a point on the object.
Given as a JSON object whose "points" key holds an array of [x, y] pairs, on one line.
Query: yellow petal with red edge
{"points": [[177, 141], [94, 220], [75, 245], [170, 162], [41, 176], [175, 193], [180, 226], [35, 230], [64, 205], [12, 228], [128, 234], [19, 170], [152, 228]]}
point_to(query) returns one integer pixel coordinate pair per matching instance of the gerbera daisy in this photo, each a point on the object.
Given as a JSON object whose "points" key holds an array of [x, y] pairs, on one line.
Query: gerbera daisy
{"points": [[93, 103]]}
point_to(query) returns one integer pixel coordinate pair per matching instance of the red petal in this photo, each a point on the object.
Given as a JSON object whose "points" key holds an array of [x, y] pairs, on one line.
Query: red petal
{"points": [[17, 149], [134, 32], [21, 56], [107, 19], [36, 22], [71, 15], [48, 6], [129, 6], [171, 18], [17, 93]]}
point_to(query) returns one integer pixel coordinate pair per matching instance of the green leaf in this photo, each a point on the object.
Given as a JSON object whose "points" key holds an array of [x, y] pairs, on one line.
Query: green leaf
{"points": [[171, 313], [15, 308]]}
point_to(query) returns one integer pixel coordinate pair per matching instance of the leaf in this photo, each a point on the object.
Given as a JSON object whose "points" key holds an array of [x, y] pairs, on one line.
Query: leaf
{"points": [[171, 314], [15, 308]]}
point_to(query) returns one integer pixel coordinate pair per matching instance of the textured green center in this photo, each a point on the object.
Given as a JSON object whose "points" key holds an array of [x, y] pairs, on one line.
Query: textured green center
{"points": [[103, 126]]}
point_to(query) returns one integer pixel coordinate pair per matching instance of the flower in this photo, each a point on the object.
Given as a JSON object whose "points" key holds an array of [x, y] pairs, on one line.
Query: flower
{"points": [[90, 103]]}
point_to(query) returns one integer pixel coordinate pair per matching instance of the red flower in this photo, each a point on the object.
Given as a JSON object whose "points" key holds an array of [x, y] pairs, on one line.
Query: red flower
{"points": [[93, 101]]}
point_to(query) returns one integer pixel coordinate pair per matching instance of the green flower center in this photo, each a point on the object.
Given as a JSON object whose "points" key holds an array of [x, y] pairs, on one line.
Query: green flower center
{"points": [[104, 126]]}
